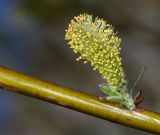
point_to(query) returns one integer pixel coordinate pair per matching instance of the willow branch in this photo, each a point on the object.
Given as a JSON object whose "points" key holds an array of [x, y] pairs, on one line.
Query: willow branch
{"points": [[142, 119]]}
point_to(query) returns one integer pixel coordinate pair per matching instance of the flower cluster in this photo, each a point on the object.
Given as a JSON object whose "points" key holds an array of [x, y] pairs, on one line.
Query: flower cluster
{"points": [[97, 43]]}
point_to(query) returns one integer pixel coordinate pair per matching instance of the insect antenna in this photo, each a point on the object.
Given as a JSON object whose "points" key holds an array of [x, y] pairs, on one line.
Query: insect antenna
{"points": [[136, 81]]}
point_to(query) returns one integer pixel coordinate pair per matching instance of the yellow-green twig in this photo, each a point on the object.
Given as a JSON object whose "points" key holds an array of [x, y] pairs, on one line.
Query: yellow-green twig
{"points": [[141, 119]]}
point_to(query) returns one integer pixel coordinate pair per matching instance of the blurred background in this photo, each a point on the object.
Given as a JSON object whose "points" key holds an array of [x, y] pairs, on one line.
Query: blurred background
{"points": [[32, 41]]}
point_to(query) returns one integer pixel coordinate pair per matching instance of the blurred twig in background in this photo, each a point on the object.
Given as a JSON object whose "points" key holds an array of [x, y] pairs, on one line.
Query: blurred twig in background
{"points": [[141, 119]]}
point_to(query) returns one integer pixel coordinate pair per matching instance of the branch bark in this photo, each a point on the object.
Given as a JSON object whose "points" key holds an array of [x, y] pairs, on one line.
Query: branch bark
{"points": [[139, 119]]}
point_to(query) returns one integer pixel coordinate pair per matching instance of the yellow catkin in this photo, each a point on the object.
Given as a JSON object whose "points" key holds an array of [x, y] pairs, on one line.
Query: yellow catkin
{"points": [[97, 43]]}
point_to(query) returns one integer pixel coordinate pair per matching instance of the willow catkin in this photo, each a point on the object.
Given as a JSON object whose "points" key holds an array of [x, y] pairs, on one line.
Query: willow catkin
{"points": [[97, 43]]}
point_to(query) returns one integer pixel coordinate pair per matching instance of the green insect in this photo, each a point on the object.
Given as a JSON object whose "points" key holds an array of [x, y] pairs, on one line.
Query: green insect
{"points": [[121, 96]]}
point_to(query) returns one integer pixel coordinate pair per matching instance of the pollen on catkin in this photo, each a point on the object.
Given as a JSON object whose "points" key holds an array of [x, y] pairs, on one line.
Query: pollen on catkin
{"points": [[97, 43]]}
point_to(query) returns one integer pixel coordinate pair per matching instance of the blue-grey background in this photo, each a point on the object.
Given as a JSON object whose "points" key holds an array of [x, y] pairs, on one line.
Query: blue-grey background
{"points": [[32, 42]]}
